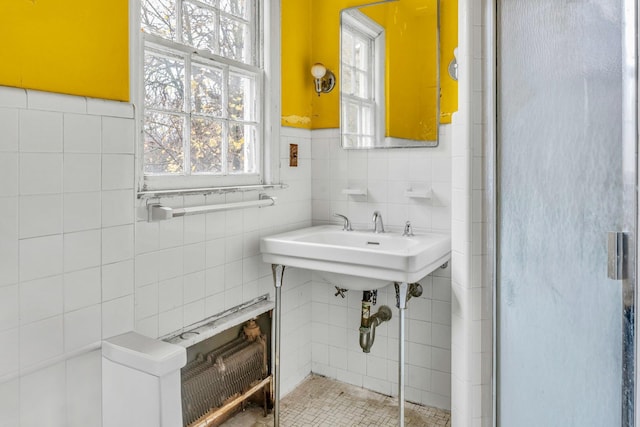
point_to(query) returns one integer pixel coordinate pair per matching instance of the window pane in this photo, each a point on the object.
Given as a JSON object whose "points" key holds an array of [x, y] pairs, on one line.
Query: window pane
{"points": [[242, 149], [206, 145], [198, 27], [360, 54], [366, 121], [241, 102], [158, 17], [163, 82], [206, 90], [235, 42], [163, 143], [347, 80], [235, 7], [361, 85], [347, 47], [351, 116]]}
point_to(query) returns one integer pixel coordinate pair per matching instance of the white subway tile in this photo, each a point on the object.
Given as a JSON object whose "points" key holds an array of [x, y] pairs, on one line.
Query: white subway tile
{"points": [[13, 97], [193, 312], [82, 211], [39, 100], [194, 286], [215, 252], [146, 268], [147, 236], [441, 359], [233, 248], [40, 341], [9, 353], [170, 294], [43, 392], [171, 233], [118, 171], [117, 280], [117, 316], [8, 174], [442, 289], [81, 289], [148, 327], [194, 229], [9, 129], [441, 336], [82, 327], [41, 257], [118, 135], [441, 383], [10, 402], [9, 307], [8, 240], [232, 297], [170, 263], [84, 390], [214, 280], [82, 133], [117, 207], [194, 257], [40, 299], [102, 107], [40, 215], [233, 274], [81, 250], [117, 244], [170, 321], [40, 173], [146, 300], [214, 304], [40, 131], [81, 172]]}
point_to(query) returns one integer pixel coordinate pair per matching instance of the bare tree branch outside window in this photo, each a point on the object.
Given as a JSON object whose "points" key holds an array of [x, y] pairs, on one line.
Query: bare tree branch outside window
{"points": [[201, 114]]}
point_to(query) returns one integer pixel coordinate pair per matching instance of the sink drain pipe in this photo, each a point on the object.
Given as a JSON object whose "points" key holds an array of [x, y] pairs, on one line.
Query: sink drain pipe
{"points": [[369, 322]]}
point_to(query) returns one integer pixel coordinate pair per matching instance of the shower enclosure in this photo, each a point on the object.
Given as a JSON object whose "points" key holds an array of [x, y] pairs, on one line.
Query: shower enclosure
{"points": [[566, 212]]}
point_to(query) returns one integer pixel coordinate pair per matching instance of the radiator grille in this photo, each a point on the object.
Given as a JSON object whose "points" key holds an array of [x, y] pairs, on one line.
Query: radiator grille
{"points": [[215, 378]]}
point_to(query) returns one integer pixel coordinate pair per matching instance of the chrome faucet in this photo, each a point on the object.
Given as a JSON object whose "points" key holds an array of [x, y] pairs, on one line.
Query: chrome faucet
{"points": [[378, 227], [347, 223]]}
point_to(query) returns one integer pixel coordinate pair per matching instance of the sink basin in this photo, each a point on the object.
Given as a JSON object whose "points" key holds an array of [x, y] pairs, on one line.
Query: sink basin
{"points": [[358, 260]]}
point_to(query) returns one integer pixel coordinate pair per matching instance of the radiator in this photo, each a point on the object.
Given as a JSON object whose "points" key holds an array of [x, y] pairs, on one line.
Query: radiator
{"points": [[215, 383]]}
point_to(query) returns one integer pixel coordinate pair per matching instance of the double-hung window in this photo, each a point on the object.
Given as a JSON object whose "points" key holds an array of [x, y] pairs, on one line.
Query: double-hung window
{"points": [[202, 87], [362, 80]]}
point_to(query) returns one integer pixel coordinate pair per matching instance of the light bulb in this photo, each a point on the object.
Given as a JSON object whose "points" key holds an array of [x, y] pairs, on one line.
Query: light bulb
{"points": [[318, 70]]}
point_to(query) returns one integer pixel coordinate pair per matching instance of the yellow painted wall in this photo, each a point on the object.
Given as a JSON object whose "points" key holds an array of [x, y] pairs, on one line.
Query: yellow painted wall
{"points": [[448, 42], [296, 63], [324, 34], [78, 47]]}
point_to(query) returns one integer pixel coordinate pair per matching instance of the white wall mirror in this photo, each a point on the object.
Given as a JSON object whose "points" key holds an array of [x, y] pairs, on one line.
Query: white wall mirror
{"points": [[389, 75]]}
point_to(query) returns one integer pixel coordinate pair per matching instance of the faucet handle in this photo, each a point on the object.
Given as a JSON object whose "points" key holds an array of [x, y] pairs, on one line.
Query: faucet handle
{"points": [[347, 223], [408, 230]]}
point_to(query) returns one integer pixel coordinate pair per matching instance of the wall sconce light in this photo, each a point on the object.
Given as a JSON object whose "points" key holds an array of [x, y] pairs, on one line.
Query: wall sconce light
{"points": [[324, 79]]}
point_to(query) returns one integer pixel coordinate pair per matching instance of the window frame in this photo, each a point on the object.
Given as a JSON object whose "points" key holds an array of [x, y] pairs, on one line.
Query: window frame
{"points": [[266, 52], [362, 26]]}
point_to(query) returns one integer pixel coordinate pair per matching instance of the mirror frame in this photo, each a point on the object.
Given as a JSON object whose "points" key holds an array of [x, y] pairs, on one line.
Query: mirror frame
{"points": [[383, 141]]}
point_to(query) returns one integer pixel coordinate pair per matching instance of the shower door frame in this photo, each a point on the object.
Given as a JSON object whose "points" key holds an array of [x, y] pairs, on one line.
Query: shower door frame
{"points": [[631, 118]]}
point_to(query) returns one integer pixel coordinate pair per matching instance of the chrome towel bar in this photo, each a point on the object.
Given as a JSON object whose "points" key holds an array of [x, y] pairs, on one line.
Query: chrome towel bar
{"points": [[158, 212]]}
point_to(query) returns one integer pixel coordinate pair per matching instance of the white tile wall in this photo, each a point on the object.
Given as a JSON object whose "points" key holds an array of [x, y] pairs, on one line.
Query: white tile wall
{"points": [[386, 175], [189, 268], [58, 251], [472, 402]]}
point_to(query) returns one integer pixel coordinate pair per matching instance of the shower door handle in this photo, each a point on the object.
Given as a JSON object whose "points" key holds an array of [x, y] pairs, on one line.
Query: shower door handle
{"points": [[617, 255]]}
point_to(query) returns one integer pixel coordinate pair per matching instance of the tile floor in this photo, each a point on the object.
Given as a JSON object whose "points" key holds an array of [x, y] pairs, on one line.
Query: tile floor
{"points": [[321, 402]]}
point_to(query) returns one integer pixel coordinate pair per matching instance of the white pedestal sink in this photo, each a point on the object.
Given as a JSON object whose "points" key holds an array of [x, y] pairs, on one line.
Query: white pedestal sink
{"points": [[356, 260]]}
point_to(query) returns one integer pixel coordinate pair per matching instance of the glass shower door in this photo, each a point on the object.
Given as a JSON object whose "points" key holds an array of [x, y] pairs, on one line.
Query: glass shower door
{"points": [[566, 175]]}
